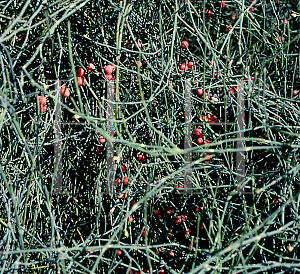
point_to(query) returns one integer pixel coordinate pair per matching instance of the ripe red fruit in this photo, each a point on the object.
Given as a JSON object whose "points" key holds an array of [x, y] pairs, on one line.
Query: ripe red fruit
{"points": [[136, 44], [184, 44], [138, 63], [199, 91], [124, 166], [80, 72], [200, 141], [198, 133], [190, 64], [80, 81], [275, 200], [196, 209], [183, 66], [172, 253], [208, 11], [109, 77], [98, 151], [130, 219], [102, 140], [141, 158], [178, 219], [228, 28], [156, 212], [222, 4], [206, 142], [231, 90], [109, 69], [125, 181], [162, 271], [295, 92], [117, 181], [184, 217], [42, 103], [201, 226], [90, 67], [233, 16], [169, 235], [188, 231], [168, 211], [208, 157], [144, 234], [251, 9], [65, 91], [119, 252]]}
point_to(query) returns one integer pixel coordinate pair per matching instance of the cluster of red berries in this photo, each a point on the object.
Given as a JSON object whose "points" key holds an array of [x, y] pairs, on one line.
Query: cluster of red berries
{"points": [[204, 95], [80, 72], [200, 141], [208, 14], [184, 67], [109, 69]]}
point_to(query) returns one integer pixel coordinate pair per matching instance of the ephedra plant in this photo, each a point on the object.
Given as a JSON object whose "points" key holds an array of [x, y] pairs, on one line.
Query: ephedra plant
{"points": [[182, 75]]}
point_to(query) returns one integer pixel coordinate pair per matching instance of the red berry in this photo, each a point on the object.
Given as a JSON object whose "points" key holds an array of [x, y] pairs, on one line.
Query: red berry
{"points": [[65, 91], [275, 200], [131, 219], [102, 140], [201, 226], [156, 212], [123, 169], [125, 181], [208, 11], [200, 141], [199, 91], [228, 28], [162, 271], [233, 16], [80, 72], [119, 252], [117, 181], [42, 103], [231, 91], [138, 63], [188, 231], [168, 211], [295, 92], [196, 209], [178, 219], [206, 142], [198, 133], [109, 77], [144, 234], [98, 151], [172, 253], [80, 81], [251, 9], [90, 67], [184, 44], [208, 157], [136, 44], [183, 66], [109, 69], [184, 217], [169, 235], [141, 158], [222, 4], [190, 64]]}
